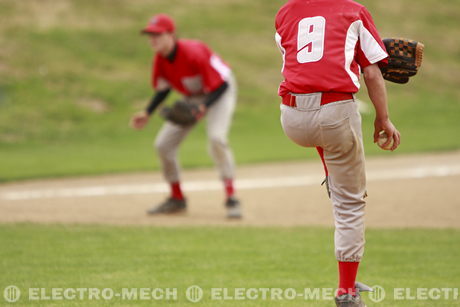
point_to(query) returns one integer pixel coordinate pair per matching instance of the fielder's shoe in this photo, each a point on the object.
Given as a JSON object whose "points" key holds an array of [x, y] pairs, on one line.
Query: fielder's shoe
{"points": [[169, 206], [348, 300], [233, 208]]}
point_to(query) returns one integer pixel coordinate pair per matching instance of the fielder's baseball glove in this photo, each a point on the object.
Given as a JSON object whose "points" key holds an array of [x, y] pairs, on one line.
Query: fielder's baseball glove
{"points": [[181, 113], [405, 59]]}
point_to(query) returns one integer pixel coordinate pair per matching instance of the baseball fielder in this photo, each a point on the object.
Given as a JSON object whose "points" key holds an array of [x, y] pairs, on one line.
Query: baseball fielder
{"points": [[325, 45], [194, 70]]}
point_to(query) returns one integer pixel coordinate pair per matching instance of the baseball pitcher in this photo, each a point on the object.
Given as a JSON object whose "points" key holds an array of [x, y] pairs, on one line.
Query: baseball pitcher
{"points": [[208, 89], [325, 46]]}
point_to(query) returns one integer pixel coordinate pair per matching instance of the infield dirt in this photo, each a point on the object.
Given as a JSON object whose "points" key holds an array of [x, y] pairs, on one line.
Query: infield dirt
{"points": [[404, 191]]}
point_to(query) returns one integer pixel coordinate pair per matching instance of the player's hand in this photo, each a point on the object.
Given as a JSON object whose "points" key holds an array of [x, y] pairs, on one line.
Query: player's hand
{"points": [[139, 120], [201, 111], [393, 134]]}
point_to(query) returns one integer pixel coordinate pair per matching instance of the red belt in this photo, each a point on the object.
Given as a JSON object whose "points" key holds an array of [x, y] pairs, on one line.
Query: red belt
{"points": [[326, 97]]}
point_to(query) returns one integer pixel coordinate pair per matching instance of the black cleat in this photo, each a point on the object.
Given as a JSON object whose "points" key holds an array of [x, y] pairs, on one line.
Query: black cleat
{"points": [[233, 208], [348, 300], [169, 206]]}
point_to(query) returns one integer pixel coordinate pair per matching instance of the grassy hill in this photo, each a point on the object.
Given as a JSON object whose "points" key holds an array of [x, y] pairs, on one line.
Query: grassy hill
{"points": [[72, 72]]}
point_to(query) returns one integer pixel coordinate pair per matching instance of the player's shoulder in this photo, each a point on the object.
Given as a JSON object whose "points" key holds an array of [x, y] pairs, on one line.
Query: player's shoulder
{"points": [[194, 49], [354, 4], [285, 8], [348, 8], [357, 9]]}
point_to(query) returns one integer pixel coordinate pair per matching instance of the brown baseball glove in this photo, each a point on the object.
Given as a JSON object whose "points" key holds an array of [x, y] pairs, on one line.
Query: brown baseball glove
{"points": [[181, 113], [405, 58]]}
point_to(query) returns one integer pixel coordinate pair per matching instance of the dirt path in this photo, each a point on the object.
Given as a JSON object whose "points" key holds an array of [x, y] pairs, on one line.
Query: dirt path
{"points": [[404, 191]]}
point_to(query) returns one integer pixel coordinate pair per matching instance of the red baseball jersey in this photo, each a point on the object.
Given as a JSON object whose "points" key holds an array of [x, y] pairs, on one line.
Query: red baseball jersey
{"points": [[195, 69], [325, 44]]}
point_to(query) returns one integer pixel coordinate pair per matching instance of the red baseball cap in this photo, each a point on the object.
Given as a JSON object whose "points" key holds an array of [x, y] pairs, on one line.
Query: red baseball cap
{"points": [[160, 23]]}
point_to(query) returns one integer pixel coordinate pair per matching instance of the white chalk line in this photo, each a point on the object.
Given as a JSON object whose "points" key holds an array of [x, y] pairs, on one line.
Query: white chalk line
{"points": [[241, 184]]}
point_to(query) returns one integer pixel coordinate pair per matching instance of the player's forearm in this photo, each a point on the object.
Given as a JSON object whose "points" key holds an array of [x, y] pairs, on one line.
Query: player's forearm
{"points": [[156, 100], [377, 91], [216, 94]]}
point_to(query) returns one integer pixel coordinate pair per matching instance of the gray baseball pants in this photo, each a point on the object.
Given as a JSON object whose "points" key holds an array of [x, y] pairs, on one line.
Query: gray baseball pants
{"points": [[336, 127], [218, 122]]}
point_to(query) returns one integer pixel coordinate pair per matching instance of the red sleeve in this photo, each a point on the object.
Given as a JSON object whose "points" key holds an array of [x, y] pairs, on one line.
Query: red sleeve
{"points": [[211, 78], [370, 48]]}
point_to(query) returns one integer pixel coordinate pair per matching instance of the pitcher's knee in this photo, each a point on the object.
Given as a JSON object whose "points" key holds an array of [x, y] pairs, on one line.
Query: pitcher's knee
{"points": [[349, 212]]}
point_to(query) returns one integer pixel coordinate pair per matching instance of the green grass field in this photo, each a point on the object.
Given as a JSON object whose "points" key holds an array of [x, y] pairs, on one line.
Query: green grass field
{"points": [[72, 73], [226, 257]]}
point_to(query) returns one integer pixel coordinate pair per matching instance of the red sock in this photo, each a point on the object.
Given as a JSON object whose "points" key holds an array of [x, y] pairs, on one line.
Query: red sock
{"points": [[347, 277], [176, 191], [229, 189]]}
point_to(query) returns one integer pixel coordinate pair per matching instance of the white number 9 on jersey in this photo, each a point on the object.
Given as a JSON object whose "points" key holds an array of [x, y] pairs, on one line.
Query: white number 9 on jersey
{"points": [[310, 39]]}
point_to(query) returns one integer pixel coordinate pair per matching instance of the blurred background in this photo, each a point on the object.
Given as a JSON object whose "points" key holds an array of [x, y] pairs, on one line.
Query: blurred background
{"points": [[72, 72]]}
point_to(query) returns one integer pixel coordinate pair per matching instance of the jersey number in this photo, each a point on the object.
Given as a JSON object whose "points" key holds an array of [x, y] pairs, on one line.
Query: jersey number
{"points": [[310, 39]]}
